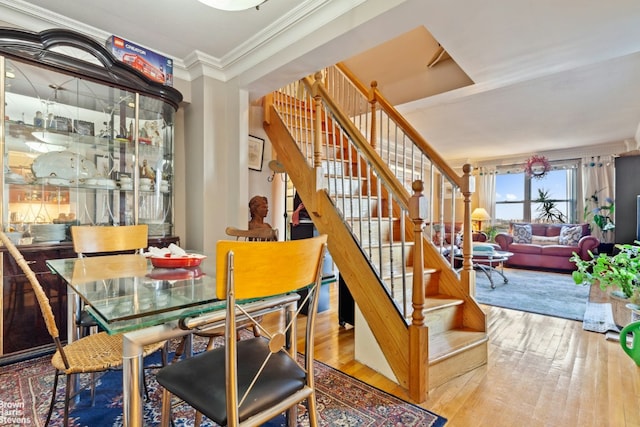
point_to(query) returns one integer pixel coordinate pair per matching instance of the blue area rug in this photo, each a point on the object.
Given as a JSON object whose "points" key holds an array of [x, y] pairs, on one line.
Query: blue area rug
{"points": [[552, 294], [342, 401]]}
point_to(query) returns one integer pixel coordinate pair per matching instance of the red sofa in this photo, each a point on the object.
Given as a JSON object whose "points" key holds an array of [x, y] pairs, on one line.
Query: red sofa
{"points": [[547, 248]]}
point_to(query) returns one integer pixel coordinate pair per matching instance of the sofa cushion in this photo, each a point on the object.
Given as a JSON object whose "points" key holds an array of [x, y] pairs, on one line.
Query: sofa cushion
{"points": [[525, 248], [559, 251], [545, 240], [554, 230], [538, 229], [570, 235], [521, 233]]}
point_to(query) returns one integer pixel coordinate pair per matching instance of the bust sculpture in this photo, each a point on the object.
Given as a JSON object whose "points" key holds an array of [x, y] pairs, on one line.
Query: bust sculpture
{"points": [[259, 208]]}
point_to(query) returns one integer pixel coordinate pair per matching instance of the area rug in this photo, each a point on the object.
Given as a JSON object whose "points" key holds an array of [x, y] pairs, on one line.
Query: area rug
{"points": [[598, 317], [342, 401], [551, 294]]}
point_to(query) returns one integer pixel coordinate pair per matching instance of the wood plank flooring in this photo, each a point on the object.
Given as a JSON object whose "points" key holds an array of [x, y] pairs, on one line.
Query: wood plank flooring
{"points": [[542, 371]]}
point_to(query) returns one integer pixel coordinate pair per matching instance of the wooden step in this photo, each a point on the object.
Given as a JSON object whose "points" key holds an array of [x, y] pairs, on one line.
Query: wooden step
{"points": [[393, 259], [442, 313], [454, 353], [372, 230], [342, 186], [355, 207]]}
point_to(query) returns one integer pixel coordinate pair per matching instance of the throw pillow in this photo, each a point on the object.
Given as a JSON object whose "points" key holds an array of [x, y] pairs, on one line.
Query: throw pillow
{"points": [[521, 233], [570, 236]]}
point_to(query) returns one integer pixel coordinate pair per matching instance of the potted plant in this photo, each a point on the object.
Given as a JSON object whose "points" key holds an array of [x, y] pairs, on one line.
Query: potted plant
{"points": [[601, 216], [619, 272], [491, 232], [547, 209]]}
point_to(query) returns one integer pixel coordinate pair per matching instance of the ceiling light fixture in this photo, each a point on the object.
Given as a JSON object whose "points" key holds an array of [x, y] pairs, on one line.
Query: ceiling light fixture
{"points": [[233, 5]]}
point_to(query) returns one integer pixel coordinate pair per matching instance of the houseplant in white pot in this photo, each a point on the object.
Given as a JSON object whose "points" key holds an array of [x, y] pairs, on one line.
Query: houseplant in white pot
{"points": [[618, 273]]}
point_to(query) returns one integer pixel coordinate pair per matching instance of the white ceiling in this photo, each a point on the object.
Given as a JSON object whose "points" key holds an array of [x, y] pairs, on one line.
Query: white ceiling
{"points": [[535, 76]]}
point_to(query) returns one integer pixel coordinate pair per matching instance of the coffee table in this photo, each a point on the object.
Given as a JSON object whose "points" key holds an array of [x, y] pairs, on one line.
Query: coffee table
{"points": [[487, 263]]}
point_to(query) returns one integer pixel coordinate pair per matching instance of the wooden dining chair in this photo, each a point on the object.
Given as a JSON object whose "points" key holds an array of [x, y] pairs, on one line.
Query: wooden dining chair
{"points": [[93, 353], [96, 240], [265, 234], [262, 376]]}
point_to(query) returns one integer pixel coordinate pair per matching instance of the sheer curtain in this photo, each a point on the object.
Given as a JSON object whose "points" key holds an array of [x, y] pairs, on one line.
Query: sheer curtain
{"points": [[486, 188], [598, 174]]}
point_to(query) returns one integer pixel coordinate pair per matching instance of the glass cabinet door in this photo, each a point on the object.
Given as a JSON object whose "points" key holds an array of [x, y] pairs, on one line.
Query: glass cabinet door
{"points": [[81, 152]]}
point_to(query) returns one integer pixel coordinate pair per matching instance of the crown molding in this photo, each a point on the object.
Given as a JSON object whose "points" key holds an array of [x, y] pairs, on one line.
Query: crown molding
{"points": [[304, 19]]}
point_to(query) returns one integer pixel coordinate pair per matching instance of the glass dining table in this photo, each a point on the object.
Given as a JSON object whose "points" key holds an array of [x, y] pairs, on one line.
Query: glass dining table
{"points": [[127, 296]]}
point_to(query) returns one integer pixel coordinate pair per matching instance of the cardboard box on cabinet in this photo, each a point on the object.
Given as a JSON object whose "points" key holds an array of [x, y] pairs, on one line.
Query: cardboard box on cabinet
{"points": [[153, 65]]}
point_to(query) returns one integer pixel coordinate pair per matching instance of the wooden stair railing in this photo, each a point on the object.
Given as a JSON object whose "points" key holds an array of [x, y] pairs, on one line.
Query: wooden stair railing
{"points": [[327, 156]]}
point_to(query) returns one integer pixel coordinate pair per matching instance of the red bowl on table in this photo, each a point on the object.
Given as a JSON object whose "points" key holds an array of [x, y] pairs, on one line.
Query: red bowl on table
{"points": [[177, 262]]}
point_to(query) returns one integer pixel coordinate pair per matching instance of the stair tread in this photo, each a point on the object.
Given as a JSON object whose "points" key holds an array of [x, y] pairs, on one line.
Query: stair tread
{"points": [[434, 302], [409, 273], [452, 342]]}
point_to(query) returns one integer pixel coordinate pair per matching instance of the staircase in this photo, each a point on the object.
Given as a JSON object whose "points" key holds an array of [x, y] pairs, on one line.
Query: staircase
{"points": [[365, 175]]}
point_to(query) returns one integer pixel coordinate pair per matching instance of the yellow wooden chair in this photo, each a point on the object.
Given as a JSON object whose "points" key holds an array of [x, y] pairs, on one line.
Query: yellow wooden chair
{"points": [[96, 240], [255, 235], [271, 379]]}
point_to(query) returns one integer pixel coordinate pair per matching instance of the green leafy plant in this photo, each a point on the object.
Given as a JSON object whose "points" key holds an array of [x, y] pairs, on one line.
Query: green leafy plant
{"points": [[601, 215], [547, 210], [620, 270], [491, 232]]}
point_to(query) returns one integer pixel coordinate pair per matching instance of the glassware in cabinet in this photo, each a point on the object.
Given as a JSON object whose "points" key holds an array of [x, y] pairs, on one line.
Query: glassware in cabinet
{"points": [[93, 146]]}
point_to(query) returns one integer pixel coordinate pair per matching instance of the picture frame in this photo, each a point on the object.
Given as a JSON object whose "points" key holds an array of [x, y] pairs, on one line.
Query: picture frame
{"points": [[83, 127], [255, 153], [62, 124]]}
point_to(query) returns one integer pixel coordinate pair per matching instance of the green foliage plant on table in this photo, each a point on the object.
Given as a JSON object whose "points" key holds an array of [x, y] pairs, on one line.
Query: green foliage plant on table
{"points": [[601, 215], [620, 270]]}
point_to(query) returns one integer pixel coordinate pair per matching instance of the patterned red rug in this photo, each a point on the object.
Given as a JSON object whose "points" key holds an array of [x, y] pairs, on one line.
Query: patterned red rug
{"points": [[342, 400]]}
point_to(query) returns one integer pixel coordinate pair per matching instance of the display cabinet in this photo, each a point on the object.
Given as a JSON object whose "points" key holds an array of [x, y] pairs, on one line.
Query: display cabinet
{"points": [[85, 140]]}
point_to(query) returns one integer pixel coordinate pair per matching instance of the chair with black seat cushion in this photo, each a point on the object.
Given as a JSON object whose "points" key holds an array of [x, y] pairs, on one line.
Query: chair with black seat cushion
{"points": [[262, 376], [93, 353]]}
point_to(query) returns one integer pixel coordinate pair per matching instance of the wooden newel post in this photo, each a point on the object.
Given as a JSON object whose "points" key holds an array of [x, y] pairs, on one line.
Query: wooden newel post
{"points": [[467, 275], [374, 124], [418, 332], [317, 141], [418, 213]]}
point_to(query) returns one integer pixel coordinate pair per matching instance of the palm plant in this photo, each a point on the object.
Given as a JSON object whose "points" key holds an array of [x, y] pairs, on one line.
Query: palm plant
{"points": [[547, 210]]}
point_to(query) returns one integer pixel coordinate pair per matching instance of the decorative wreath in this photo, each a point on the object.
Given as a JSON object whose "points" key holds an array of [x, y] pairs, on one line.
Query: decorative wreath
{"points": [[537, 166]]}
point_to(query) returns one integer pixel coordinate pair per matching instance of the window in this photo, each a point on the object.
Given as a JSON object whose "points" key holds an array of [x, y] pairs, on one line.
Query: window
{"points": [[516, 195]]}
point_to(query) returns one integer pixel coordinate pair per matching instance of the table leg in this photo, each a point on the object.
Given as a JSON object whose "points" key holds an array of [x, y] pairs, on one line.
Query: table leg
{"points": [[132, 377], [488, 271]]}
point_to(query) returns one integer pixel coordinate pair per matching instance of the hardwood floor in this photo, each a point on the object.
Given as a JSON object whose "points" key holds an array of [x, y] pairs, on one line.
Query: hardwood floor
{"points": [[542, 371]]}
